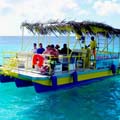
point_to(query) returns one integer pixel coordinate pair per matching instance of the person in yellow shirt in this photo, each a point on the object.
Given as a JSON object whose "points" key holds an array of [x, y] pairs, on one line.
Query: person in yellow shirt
{"points": [[93, 46]]}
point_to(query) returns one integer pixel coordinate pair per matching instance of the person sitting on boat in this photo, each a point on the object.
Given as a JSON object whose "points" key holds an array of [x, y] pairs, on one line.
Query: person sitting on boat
{"points": [[52, 54], [65, 50], [93, 46], [40, 50], [34, 50], [47, 51], [58, 48], [51, 51]]}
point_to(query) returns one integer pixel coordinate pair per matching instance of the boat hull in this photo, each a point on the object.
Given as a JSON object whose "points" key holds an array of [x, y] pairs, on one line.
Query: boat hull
{"points": [[42, 88], [73, 79], [58, 81], [23, 83], [5, 79]]}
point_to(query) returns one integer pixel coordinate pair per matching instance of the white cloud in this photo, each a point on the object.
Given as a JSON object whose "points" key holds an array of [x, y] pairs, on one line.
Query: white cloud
{"points": [[71, 4], [89, 1], [31, 10], [84, 12], [104, 8], [3, 4], [39, 9], [14, 12]]}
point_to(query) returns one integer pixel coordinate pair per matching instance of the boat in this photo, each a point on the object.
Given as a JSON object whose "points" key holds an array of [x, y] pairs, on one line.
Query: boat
{"points": [[71, 70]]}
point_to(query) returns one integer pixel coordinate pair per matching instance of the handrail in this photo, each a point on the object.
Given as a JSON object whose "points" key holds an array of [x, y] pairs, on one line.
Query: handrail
{"points": [[16, 59]]}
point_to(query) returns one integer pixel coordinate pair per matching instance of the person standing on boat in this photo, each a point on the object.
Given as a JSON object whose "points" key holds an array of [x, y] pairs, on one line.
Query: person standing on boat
{"points": [[93, 46], [34, 50], [40, 50]]}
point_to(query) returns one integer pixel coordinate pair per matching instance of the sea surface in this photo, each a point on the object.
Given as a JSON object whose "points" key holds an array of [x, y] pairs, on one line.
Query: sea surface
{"points": [[96, 101]]}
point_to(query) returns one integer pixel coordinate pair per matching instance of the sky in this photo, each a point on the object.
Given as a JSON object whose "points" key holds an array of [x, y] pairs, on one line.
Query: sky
{"points": [[14, 12]]}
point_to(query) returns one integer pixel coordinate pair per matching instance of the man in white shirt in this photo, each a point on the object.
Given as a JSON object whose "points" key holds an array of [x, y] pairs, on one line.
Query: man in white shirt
{"points": [[34, 50]]}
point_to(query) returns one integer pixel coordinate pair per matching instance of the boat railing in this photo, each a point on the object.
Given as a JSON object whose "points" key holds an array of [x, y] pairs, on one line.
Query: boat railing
{"points": [[70, 62], [105, 59], [17, 60]]}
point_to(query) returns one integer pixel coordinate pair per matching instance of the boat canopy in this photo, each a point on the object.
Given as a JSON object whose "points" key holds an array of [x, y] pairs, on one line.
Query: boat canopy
{"points": [[63, 27]]}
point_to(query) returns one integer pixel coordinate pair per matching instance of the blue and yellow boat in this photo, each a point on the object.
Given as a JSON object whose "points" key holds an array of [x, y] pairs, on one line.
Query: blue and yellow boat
{"points": [[82, 65]]}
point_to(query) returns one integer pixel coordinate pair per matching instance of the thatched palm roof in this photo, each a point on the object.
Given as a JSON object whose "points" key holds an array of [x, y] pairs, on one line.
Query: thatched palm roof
{"points": [[85, 27]]}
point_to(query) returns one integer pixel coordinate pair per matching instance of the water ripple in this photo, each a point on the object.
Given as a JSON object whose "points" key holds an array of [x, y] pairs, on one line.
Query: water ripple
{"points": [[96, 101]]}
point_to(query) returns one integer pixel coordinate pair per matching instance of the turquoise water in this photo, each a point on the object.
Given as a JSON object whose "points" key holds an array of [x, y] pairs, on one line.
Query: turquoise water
{"points": [[96, 101]]}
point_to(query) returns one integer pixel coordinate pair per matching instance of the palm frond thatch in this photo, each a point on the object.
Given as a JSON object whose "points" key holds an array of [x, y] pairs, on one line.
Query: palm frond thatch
{"points": [[63, 27]]}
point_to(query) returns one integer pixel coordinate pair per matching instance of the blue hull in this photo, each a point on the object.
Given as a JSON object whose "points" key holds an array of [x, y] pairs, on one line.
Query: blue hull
{"points": [[5, 79], [42, 88], [23, 83]]}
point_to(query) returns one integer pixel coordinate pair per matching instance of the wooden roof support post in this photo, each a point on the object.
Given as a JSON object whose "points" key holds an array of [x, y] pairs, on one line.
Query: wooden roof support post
{"points": [[22, 38], [98, 41], [38, 38], [107, 44], [113, 43], [119, 50], [68, 44], [119, 45]]}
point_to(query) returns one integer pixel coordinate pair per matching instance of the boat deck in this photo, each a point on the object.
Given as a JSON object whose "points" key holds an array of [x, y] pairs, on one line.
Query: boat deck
{"points": [[36, 74]]}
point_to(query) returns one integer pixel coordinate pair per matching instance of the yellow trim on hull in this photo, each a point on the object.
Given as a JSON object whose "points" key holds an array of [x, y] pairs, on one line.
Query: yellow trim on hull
{"points": [[43, 82], [81, 77], [66, 80], [94, 75]]}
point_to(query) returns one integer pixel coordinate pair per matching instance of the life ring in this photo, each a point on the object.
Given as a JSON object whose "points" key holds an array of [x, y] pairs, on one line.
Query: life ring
{"points": [[38, 59]]}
